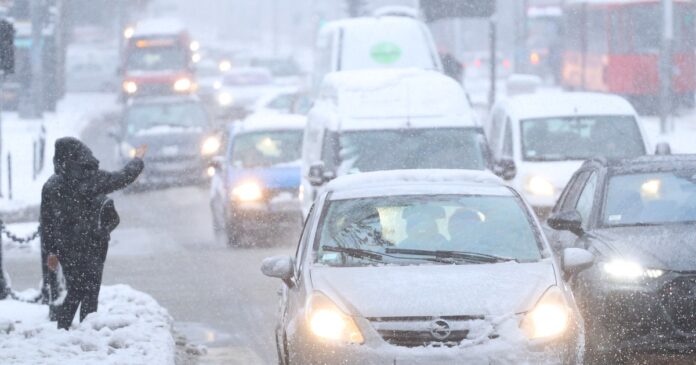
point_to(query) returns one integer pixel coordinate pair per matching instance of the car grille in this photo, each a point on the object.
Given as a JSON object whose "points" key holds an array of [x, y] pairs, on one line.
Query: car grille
{"points": [[446, 331], [679, 299], [146, 89]]}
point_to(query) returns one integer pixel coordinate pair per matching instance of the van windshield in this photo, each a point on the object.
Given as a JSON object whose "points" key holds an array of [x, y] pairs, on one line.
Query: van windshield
{"points": [[436, 148], [581, 138]]}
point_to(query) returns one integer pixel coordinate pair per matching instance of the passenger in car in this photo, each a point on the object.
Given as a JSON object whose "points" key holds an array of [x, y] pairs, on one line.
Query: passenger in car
{"points": [[465, 227], [422, 232]]}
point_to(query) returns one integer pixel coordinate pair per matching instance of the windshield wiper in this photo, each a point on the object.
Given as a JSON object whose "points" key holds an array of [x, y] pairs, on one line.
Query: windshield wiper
{"points": [[355, 252], [461, 255]]}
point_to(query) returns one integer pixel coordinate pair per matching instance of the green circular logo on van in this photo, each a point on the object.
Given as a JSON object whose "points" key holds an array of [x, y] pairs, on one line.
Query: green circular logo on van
{"points": [[385, 53]]}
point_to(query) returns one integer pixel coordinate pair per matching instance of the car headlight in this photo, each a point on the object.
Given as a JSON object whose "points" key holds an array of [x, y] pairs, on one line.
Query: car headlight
{"points": [[549, 318], [211, 146], [127, 150], [225, 99], [130, 87], [628, 270], [247, 192], [217, 85], [328, 322], [540, 186], [183, 84]]}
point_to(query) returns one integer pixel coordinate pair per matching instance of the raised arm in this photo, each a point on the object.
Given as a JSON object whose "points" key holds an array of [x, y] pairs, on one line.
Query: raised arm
{"points": [[105, 182]]}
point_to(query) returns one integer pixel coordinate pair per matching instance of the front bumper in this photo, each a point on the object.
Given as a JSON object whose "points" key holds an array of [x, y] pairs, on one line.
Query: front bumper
{"points": [[283, 210], [505, 349], [173, 171], [656, 316]]}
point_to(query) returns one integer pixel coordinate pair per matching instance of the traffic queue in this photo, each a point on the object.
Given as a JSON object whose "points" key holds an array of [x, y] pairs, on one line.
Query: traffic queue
{"points": [[543, 232]]}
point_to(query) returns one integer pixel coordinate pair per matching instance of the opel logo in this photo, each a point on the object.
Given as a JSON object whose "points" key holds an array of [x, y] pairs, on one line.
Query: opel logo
{"points": [[440, 329]]}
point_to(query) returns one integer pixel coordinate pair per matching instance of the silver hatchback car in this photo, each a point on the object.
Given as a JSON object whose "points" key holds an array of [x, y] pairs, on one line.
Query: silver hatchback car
{"points": [[425, 267]]}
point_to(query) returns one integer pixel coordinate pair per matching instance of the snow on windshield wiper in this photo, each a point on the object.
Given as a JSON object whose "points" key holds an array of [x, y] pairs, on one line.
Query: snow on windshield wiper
{"points": [[468, 256], [355, 252]]}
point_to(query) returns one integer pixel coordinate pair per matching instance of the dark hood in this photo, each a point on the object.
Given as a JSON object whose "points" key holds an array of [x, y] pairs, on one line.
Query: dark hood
{"points": [[73, 159], [669, 247]]}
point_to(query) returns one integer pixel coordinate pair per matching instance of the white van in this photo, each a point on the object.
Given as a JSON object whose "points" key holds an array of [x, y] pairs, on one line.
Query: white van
{"points": [[389, 120], [543, 138], [375, 42]]}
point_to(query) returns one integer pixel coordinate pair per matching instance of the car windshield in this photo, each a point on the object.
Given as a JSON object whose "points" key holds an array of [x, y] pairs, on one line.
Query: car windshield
{"points": [[651, 198], [581, 138], [157, 118], [266, 149], [157, 59], [279, 68], [441, 148], [481, 226]]}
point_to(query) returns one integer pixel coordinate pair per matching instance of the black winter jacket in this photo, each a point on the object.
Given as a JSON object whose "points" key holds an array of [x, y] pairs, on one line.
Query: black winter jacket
{"points": [[66, 197]]}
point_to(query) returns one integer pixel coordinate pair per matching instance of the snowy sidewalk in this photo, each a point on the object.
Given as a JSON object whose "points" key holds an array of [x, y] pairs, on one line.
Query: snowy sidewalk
{"points": [[73, 114], [129, 328]]}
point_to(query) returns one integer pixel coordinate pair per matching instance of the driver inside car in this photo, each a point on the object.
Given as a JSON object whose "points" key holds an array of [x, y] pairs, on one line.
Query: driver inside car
{"points": [[422, 232]]}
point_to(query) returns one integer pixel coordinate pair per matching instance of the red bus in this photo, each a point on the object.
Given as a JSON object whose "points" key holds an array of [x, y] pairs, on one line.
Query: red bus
{"points": [[614, 46], [158, 63]]}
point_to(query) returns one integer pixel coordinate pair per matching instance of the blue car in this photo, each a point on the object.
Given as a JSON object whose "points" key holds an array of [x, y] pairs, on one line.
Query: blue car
{"points": [[255, 184]]}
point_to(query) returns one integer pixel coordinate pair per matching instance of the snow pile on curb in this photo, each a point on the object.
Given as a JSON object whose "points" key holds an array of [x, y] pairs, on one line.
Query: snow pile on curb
{"points": [[130, 328]]}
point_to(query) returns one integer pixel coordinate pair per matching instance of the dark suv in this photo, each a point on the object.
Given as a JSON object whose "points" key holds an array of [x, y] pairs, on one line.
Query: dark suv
{"points": [[638, 217]]}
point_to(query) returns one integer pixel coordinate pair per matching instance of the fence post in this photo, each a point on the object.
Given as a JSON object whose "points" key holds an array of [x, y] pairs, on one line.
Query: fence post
{"points": [[4, 290]]}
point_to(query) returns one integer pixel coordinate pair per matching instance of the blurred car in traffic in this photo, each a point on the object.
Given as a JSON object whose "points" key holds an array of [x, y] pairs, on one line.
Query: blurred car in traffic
{"points": [[290, 100], [254, 190], [209, 80], [638, 218], [158, 60], [545, 137], [374, 42], [285, 71], [91, 68], [240, 89], [179, 134], [389, 120], [425, 267]]}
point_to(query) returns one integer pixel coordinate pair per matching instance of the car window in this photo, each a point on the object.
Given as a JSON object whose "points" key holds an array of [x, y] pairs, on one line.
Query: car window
{"points": [[651, 198], [303, 242], [157, 118], [416, 148], [490, 225], [586, 199], [267, 148], [581, 138], [569, 197], [494, 130]]}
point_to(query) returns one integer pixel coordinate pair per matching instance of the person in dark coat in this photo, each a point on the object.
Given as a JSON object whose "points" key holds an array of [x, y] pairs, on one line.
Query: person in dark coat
{"points": [[67, 217]]}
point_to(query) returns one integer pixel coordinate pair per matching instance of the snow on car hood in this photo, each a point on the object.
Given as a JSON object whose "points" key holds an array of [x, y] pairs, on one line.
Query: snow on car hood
{"points": [[435, 290], [668, 247]]}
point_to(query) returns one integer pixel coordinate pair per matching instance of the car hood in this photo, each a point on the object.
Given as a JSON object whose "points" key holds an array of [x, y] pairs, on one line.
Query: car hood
{"points": [[165, 142], [669, 247], [435, 290], [286, 177]]}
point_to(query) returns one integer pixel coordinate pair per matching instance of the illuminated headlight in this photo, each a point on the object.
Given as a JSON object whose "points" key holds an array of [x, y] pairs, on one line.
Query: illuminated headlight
{"points": [[127, 150], [128, 32], [196, 57], [130, 87], [327, 322], [225, 66], [225, 99], [629, 270], [539, 186], [217, 85], [210, 146], [183, 84], [194, 46], [247, 192], [550, 317], [210, 171]]}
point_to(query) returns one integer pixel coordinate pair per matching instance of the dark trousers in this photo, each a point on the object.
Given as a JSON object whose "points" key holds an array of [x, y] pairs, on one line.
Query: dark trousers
{"points": [[83, 283]]}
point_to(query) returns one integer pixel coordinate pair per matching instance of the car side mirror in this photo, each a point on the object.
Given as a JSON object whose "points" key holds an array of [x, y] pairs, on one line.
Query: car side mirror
{"points": [[663, 148], [575, 260], [281, 267], [318, 175], [505, 168], [567, 221]]}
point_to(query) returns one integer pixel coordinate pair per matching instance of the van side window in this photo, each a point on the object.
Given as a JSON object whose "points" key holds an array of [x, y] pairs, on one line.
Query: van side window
{"points": [[507, 140], [496, 126], [330, 151]]}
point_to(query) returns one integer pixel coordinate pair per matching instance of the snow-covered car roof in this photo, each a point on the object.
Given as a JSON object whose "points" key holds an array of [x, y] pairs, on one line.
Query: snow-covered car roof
{"points": [[168, 99], [159, 26], [571, 2], [405, 94], [558, 104], [405, 182], [272, 121]]}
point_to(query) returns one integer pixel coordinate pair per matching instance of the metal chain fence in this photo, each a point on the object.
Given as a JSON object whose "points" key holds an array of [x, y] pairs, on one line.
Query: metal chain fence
{"points": [[5, 291]]}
